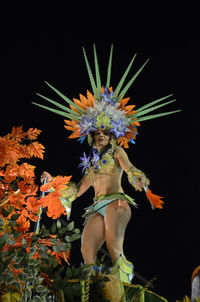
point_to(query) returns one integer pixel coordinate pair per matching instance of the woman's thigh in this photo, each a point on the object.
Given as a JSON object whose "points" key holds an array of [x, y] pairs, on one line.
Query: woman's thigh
{"points": [[94, 231], [117, 216]]}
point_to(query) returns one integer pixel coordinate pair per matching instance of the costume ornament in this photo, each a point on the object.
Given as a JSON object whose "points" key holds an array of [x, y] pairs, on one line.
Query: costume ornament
{"points": [[107, 109]]}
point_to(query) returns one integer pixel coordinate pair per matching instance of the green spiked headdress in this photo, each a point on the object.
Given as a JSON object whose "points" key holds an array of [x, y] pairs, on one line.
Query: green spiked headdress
{"points": [[105, 108]]}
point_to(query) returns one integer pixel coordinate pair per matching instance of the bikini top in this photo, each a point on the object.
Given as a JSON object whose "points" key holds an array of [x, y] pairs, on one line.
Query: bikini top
{"points": [[104, 164]]}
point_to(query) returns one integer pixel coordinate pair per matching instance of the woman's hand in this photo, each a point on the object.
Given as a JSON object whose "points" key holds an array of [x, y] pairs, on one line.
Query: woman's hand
{"points": [[47, 176]]}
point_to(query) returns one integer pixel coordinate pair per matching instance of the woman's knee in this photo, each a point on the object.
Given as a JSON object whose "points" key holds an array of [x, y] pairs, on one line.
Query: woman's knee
{"points": [[86, 248], [114, 250]]}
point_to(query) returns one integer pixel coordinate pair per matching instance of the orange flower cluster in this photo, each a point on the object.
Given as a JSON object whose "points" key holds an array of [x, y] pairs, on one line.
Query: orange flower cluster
{"points": [[15, 147], [52, 201]]}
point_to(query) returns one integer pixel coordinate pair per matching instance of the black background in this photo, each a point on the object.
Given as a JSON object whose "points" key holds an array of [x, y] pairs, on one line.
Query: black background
{"points": [[43, 42]]}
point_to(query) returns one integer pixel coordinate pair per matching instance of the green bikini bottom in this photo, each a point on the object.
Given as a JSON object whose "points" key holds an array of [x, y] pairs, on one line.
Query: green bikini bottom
{"points": [[100, 204]]}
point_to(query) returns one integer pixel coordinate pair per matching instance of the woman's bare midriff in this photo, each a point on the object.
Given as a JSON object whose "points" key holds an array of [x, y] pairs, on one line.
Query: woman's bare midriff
{"points": [[107, 184]]}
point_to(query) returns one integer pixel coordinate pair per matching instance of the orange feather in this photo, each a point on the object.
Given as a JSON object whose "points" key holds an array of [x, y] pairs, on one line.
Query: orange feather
{"points": [[155, 200], [90, 97], [84, 100], [78, 103], [72, 107]]}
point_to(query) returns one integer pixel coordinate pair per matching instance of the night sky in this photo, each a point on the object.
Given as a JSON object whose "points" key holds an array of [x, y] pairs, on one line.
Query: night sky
{"points": [[44, 43]]}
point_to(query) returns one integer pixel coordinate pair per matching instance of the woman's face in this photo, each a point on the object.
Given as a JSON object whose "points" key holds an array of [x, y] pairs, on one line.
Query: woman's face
{"points": [[101, 138]]}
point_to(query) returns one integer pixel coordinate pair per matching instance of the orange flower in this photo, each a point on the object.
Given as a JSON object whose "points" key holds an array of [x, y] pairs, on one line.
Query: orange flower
{"points": [[16, 271], [47, 281], [24, 224]]}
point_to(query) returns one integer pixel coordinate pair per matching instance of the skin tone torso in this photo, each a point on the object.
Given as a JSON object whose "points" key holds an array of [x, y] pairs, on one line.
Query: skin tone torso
{"points": [[104, 183]]}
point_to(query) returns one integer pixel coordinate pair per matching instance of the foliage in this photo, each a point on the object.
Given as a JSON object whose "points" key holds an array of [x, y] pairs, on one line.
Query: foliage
{"points": [[28, 260]]}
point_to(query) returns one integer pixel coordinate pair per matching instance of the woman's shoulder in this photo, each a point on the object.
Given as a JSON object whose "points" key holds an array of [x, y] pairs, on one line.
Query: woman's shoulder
{"points": [[118, 150]]}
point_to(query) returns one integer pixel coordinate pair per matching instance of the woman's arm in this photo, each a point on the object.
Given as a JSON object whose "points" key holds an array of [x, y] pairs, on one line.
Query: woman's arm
{"points": [[136, 177], [83, 185], [72, 189]]}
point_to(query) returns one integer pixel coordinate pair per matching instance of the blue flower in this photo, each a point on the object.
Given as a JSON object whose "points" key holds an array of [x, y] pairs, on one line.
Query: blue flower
{"points": [[107, 96], [85, 162], [95, 158], [87, 126], [118, 128]]}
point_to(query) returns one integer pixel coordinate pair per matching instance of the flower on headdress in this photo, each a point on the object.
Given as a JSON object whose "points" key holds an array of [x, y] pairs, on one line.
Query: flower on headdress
{"points": [[107, 96], [87, 126], [95, 158], [118, 128], [103, 121], [85, 162]]}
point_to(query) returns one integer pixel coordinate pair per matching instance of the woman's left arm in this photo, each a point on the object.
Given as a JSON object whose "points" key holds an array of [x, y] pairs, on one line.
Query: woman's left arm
{"points": [[136, 177]]}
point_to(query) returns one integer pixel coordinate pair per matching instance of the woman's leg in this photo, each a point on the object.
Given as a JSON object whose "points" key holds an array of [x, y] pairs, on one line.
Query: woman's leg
{"points": [[92, 238], [117, 216]]}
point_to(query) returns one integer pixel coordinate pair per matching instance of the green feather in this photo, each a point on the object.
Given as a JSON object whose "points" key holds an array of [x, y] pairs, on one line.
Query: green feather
{"points": [[98, 78], [123, 92], [119, 86], [92, 81], [64, 97], [153, 103], [58, 105], [109, 67], [65, 114], [149, 117], [152, 108]]}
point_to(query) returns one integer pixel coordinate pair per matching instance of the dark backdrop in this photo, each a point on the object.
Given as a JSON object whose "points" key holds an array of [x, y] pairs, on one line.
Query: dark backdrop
{"points": [[43, 42]]}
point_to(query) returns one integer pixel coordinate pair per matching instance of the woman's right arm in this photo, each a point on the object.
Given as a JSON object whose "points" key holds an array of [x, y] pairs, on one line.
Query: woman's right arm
{"points": [[82, 186]]}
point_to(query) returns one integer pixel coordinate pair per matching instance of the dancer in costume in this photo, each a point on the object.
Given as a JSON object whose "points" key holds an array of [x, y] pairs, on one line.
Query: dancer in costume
{"points": [[109, 124]]}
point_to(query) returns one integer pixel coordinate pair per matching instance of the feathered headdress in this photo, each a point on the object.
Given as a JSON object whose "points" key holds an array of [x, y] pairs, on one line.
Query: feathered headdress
{"points": [[105, 108]]}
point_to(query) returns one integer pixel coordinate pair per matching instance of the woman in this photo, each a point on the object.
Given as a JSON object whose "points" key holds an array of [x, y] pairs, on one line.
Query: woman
{"points": [[108, 216], [104, 117]]}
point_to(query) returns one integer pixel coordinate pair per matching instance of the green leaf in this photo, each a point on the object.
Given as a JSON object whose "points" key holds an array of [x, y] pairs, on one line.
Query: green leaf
{"points": [[153, 103], [20, 277], [38, 281], [36, 299], [53, 228], [70, 226], [35, 272], [16, 234], [58, 224], [98, 78], [4, 212], [109, 67], [44, 293], [62, 230], [123, 92], [24, 242], [11, 242], [68, 245], [92, 81], [10, 210], [59, 105], [77, 231], [119, 86], [28, 292], [68, 273], [15, 216], [75, 237], [40, 288], [56, 249], [30, 279], [64, 97]]}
